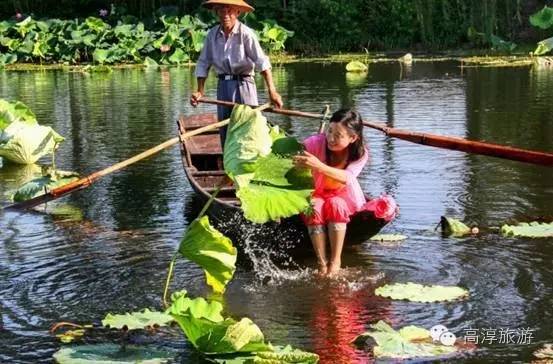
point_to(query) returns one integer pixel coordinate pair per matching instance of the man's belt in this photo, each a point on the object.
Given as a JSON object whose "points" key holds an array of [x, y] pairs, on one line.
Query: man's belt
{"points": [[224, 77]]}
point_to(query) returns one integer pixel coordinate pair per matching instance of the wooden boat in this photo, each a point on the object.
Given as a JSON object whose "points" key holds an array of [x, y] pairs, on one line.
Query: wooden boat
{"points": [[203, 164]]}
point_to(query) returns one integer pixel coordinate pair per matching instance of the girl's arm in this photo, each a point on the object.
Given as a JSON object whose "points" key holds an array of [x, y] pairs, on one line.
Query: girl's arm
{"points": [[345, 176], [308, 160]]}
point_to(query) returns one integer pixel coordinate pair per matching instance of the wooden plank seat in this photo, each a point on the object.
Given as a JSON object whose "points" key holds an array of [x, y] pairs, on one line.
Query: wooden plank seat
{"points": [[197, 121], [209, 144]]}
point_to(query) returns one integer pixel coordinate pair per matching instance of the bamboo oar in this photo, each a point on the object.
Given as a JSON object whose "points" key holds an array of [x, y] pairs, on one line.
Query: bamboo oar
{"points": [[439, 141], [90, 179], [469, 146]]}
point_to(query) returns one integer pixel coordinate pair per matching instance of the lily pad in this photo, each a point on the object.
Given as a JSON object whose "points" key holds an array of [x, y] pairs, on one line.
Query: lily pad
{"points": [[454, 227], [137, 320], [529, 230], [112, 354], [356, 66], [421, 293], [388, 237], [409, 342]]}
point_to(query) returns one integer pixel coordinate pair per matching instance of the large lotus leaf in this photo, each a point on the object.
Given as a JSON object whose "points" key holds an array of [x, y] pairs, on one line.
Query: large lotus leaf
{"points": [[112, 354], [454, 227], [196, 317], [26, 143], [206, 329], [232, 337], [179, 56], [248, 137], [137, 320], [280, 171], [401, 344], [211, 250], [198, 308], [287, 146], [420, 293], [356, 66], [262, 203], [529, 230], [276, 133], [44, 184], [543, 19], [280, 190], [15, 111], [544, 46]]}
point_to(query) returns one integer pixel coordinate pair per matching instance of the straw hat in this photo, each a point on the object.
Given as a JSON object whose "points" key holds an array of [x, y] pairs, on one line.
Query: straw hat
{"points": [[244, 7]]}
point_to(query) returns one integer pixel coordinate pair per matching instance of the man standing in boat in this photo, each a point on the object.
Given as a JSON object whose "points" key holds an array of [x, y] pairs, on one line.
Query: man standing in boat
{"points": [[234, 50]]}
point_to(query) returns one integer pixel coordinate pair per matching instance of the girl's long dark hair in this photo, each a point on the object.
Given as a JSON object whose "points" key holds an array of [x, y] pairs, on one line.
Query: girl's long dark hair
{"points": [[354, 123]]}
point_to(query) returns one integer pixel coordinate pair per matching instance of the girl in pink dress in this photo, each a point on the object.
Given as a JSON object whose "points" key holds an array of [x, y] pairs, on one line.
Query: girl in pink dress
{"points": [[336, 159]]}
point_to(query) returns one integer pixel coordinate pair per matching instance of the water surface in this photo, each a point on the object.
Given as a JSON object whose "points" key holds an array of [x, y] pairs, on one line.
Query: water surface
{"points": [[110, 252]]}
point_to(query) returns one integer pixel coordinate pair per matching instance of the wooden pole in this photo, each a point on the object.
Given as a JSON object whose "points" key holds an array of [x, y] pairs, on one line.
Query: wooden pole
{"points": [[439, 141], [90, 179]]}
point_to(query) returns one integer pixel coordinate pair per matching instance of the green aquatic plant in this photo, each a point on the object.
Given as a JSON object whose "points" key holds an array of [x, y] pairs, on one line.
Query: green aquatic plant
{"points": [[173, 40], [39, 186], [408, 343], [420, 293], [544, 46], [205, 327], [22, 139], [356, 66], [542, 19], [212, 251], [268, 185], [273, 36], [529, 230], [137, 320], [453, 227]]}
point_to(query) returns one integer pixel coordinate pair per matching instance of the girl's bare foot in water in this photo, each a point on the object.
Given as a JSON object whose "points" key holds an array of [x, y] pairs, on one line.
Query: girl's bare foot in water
{"points": [[333, 269], [322, 270]]}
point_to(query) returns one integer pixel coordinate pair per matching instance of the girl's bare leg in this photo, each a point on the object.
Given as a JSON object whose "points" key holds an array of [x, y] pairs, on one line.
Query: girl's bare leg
{"points": [[337, 235], [318, 239]]}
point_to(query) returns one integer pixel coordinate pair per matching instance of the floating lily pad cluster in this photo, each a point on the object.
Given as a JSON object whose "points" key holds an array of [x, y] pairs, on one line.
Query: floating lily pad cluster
{"points": [[174, 40]]}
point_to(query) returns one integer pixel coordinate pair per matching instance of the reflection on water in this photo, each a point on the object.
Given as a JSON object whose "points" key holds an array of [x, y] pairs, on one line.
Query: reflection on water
{"points": [[106, 248]]}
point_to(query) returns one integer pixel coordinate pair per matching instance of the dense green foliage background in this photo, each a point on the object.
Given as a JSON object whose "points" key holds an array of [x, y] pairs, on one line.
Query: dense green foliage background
{"points": [[340, 25]]}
